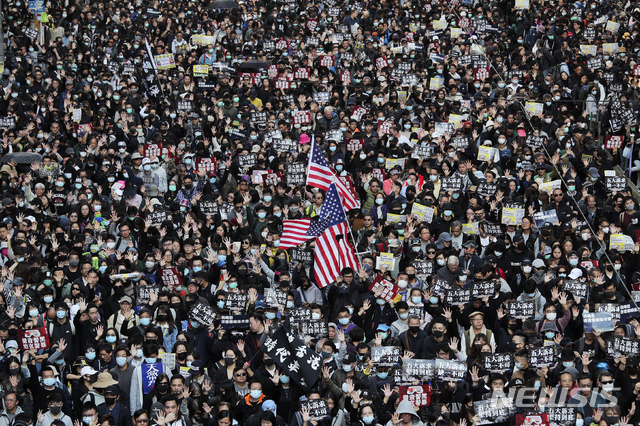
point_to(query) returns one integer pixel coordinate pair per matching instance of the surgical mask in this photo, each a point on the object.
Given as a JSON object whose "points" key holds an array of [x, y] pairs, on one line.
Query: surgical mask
{"points": [[347, 368], [606, 229], [343, 321], [433, 178], [368, 419], [383, 375], [567, 364], [267, 198], [416, 300], [379, 201], [617, 266], [573, 262], [526, 269], [48, 299], [551, 316], [33, 312], [289, 304], [145, 321], [608, 387], [121, 361], [550, 335], [404, 316], [50, 381], [149, 265], [111, 339], [345, 387], [440, 262], [90, 355], [255, 394], [149, 360], [139, 354], [270, 315], [448, 213], [284, 379], [498, 253], [433, 300], [315, 315], [220, 304], [61, 314]]}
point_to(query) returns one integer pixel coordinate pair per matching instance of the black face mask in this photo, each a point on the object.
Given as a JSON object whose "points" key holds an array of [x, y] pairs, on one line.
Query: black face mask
{"points": [[162, 318], [182, 356], [55, 410], [414, 329], [229, 360], [438, 333], [110, 400], [118, 290], [175, 306], [13, 332], [162, 387], [269, 362], [242, 272], [14, 371]]}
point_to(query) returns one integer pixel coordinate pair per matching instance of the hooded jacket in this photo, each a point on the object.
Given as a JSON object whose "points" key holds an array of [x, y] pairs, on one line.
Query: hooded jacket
{"points": [[405, 407]]}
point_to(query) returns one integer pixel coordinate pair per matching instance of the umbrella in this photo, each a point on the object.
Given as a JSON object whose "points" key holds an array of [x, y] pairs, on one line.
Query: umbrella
{"points": [[254, 64], [222, 4], [21, 158]]}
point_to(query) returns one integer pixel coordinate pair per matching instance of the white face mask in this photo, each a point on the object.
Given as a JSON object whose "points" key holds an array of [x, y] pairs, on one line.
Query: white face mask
{"points": [[526, 269], [551, 316], [617, 266], [402, 284]]}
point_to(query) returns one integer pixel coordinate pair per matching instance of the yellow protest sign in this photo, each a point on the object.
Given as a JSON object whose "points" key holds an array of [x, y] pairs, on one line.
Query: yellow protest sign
{"points": [[200, 70]]}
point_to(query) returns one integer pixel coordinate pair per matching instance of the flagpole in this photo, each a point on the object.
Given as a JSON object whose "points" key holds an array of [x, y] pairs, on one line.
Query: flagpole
{"points": [[153, 63]]}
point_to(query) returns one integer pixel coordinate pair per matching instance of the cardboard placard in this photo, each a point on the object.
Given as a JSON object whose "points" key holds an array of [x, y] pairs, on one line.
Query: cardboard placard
{"points": [[170, 277], [389, 289], [202, 313], [35, 338], [153, 150]]}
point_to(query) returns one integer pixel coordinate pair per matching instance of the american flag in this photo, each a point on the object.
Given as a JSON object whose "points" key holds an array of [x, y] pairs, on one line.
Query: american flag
{"points": [[300, 230], [321, 176], [333, 251]]}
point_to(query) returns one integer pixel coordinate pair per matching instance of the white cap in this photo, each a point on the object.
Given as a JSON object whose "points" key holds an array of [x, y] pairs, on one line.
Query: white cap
{"points": [[575, 274], [87, 371]]}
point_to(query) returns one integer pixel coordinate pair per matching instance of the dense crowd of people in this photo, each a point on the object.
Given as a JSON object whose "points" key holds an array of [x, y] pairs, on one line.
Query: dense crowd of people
{"points": [[153, 152]]}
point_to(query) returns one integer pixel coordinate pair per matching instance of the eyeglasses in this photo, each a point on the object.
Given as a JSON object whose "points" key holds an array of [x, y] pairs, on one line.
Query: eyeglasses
{"points": [[142, 420], [431, 252], [241, 374]]}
